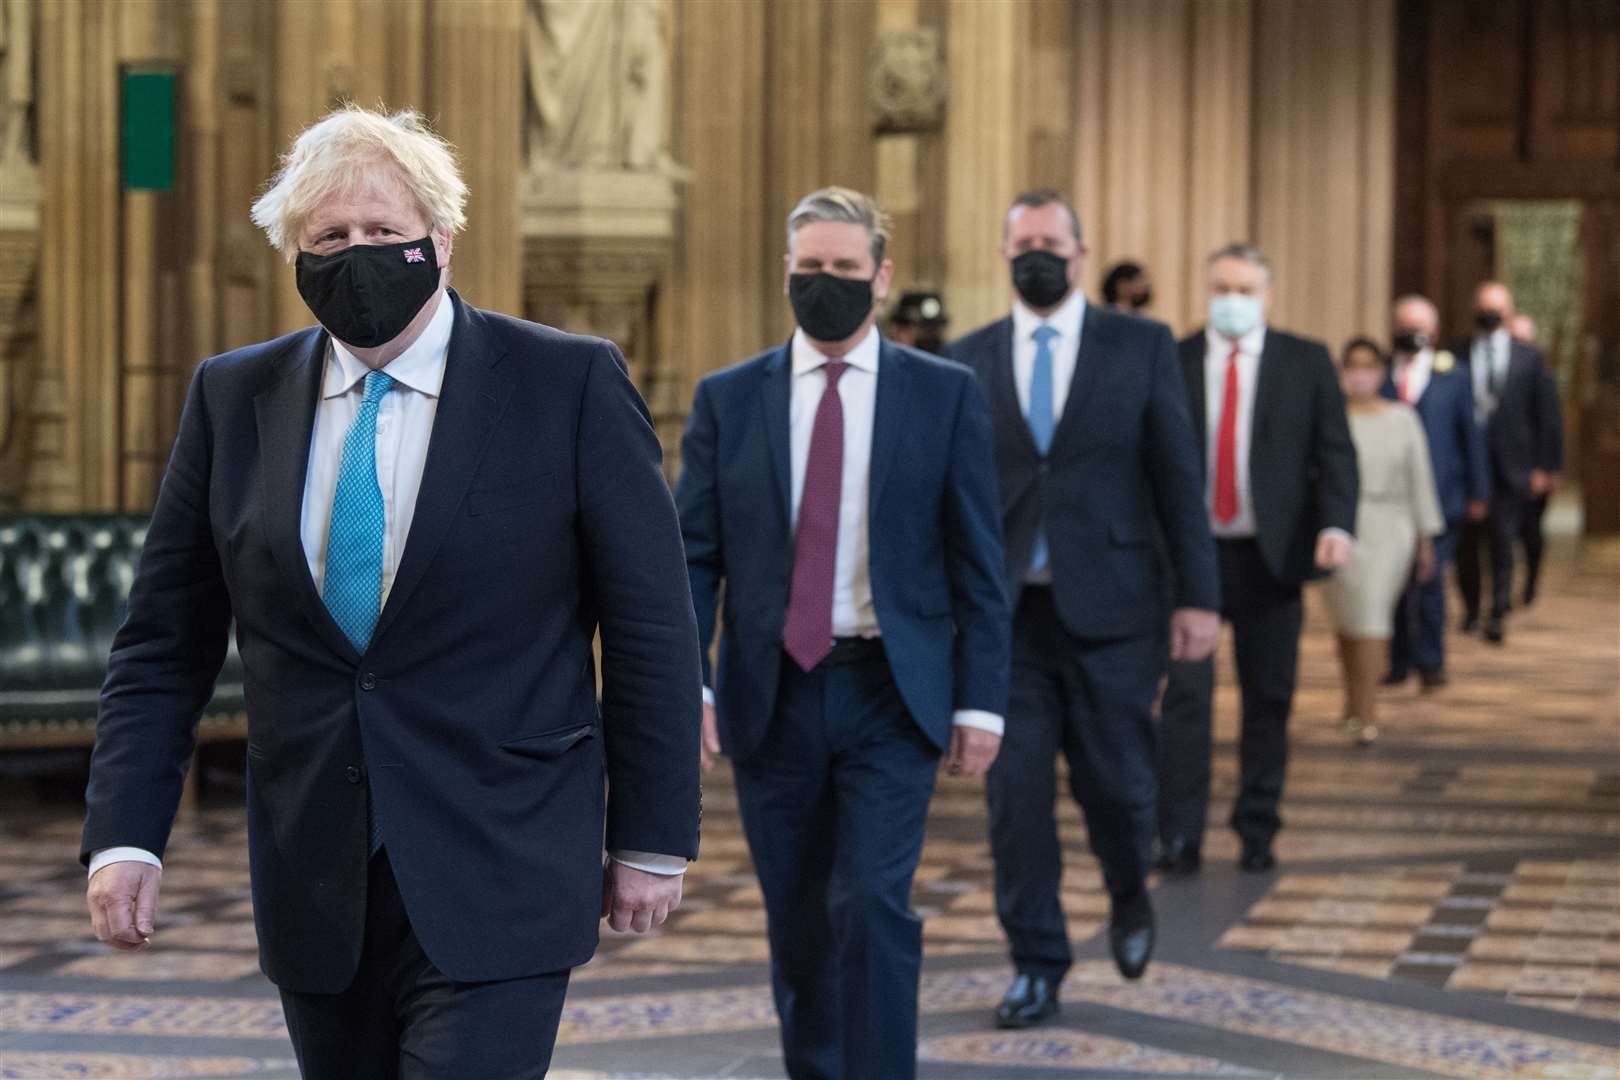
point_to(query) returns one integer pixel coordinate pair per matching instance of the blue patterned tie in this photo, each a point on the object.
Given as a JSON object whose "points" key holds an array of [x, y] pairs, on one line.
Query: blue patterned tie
{"points": [[1041, 423], [352, 589], [354, 543]]}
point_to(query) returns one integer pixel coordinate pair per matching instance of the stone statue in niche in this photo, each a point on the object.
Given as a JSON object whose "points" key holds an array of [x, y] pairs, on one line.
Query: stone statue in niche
{"points": [[909, 82], [16, 86], [597, 78]]}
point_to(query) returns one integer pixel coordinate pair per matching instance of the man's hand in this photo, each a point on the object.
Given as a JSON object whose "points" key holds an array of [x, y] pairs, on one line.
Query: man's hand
{"points": [[1478, 510], [1194, 632], [972, 751], [709, 743], [636, 900], [1332, 551], [1425, 559], [1540, 482], [123, 899]]}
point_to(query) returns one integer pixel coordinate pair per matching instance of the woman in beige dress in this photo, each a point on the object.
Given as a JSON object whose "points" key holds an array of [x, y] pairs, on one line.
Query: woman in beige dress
{"points": [[1397, 518]]}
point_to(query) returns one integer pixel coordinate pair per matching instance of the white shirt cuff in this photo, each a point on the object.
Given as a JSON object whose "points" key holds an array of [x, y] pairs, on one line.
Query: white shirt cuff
{"points": [[978, 718], [1340, 533], [108, 856], [649, 863], [708, 696]]}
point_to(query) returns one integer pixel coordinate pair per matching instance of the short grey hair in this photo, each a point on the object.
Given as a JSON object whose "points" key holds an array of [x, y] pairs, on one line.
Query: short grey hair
{"points": [[336, 153], [1418, 298], [1039, 197], [1243, 251], [846, 205]]}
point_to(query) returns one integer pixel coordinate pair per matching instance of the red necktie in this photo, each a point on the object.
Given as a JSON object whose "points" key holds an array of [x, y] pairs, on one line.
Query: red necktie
{"points": [[1226, 494], [807, 635], [1403, 382]]}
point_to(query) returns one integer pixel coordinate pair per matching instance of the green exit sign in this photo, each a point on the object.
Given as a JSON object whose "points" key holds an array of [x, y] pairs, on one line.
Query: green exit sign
{"points": [[149, 129]]}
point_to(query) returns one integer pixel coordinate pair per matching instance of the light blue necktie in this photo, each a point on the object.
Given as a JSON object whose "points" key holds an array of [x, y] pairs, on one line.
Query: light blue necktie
{"points": [[352, 590], [1041, 423]]}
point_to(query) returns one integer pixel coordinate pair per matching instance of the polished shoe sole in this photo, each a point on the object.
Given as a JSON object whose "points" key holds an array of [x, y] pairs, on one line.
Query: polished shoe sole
{"points": [[1006, 1023]]}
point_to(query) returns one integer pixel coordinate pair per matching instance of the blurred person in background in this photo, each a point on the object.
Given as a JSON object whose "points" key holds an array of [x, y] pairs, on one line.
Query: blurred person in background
{"points": [[1532, 534], [1281, 496], [920, 320], [1433, 382], [1397, 518], [1516, 402], [1127, 288]]}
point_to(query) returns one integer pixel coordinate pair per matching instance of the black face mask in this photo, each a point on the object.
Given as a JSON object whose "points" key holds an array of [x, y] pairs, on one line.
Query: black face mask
{"points": [[829, 307], [1041, 278], [1142, 299], [1410, 341], [1488, 321], [367, 294]]}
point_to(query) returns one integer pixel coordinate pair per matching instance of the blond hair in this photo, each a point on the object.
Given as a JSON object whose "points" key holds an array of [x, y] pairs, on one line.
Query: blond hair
{"points": [[333, 155], [847, 205]]}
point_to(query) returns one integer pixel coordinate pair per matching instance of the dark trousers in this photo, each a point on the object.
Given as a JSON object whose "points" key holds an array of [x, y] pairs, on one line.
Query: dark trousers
{"points": [[1534, 538], [1266, 617], [834, 804], [1497, 535], [1419, 641], [1093, 701], [403, 1018]]}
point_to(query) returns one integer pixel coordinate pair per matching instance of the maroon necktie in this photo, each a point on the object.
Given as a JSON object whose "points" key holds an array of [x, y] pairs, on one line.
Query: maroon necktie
{"points": [[808, 633]]}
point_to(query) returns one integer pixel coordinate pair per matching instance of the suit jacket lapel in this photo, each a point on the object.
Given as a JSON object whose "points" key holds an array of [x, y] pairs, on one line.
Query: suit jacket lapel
{"points": [[776, 394], [889, 417], [285, 414], [1269, 385], [1004, 387], [1192, 371], [472, 399], [1093, 354]]}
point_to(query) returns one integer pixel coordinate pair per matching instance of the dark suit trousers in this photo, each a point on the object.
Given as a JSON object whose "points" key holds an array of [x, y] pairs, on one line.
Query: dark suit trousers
{"points": [[403, 1018], [1093, 701], [1534, 537], [1419, 641], [1266, 616], [833, 805], [1496, 534]]}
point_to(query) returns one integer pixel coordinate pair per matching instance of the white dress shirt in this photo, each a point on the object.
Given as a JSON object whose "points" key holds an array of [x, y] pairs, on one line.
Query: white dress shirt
{"points": [[853, 613], [1415, 373], [1068, 321], [1488, 361], [1217, 350], [404, 428]]}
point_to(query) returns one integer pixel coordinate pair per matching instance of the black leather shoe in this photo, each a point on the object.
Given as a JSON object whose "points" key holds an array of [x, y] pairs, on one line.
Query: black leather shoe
{"points": [[1470, 624], [1030, 999], [1257, 857], [1394, 678], [1130, 936], [1494, 631], [1178, 858], [1434, 680]]}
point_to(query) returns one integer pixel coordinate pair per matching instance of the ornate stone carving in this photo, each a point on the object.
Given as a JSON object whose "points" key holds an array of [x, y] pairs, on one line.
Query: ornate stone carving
{"points": [[909, 81], [17, 46]]}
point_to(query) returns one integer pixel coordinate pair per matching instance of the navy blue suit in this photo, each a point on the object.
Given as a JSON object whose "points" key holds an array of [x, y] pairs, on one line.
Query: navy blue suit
{"points": [[1461, 475], [835, 767], [1122, 470], [472, 717]]}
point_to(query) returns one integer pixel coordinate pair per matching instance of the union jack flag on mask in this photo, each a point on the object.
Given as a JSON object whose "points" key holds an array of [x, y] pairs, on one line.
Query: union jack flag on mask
{"points": [[414, 255]]}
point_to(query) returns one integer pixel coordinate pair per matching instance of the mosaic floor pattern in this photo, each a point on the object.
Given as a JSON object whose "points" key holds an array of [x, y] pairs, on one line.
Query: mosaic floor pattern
{"points": [[1448, 905]]}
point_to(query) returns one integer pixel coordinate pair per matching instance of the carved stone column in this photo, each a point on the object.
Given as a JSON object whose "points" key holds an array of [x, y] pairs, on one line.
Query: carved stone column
{"points": [[598, 247], [19, 340]]}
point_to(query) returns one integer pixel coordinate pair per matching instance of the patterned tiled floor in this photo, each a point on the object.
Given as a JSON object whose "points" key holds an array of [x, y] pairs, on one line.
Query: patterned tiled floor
{"points": [[1448, 905]]}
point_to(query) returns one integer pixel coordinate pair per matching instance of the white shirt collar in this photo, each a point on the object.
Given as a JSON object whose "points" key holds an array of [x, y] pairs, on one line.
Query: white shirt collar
{"points": [[419, 368], [1422, 360], [1250, 344], [1065, 320], [864, 355]]}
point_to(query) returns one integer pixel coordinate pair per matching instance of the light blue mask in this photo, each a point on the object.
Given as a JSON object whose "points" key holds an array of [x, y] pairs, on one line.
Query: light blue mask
{"points": [[1234, 314]]}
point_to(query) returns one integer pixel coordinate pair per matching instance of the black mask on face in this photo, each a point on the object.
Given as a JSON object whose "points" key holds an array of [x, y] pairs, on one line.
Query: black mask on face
{"points": [[1410, 341], [367, 294], [1487, 320], [829, 307], [1142, 299], [1041, 278]]}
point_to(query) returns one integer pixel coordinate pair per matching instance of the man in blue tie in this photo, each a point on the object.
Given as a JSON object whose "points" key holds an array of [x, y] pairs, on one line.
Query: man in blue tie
{"points": [[1097, 460], [418, 515]]}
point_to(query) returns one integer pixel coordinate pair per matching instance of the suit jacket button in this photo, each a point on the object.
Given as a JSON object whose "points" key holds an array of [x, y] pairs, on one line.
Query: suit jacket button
{"points": [[352, 774], [368, 681]]}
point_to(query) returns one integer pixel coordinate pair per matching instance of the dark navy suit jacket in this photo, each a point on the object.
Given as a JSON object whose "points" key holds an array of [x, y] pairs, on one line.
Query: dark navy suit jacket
{"points": [[1456, 443], [472, 716], [934, 530], [1525, 433], [1122, 470]]}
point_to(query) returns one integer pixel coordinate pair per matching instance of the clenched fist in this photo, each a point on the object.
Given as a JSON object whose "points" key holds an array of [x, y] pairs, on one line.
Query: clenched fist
{"points": [[123, 899]]}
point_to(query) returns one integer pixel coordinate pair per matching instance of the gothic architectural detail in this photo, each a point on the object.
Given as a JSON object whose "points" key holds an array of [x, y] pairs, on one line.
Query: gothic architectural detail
{"points": [[909, 81]]}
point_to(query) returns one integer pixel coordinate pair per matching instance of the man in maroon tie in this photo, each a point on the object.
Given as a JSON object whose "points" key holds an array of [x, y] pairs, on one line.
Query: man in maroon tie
{"points": [[842, 490]]}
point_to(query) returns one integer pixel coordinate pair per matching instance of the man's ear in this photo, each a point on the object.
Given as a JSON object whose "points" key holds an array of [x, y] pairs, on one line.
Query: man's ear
{"points": [[443, 245]]}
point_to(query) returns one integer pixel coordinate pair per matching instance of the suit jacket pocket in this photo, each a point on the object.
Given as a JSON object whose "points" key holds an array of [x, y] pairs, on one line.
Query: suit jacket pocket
{"points": [[507, 497], [550, 744]]}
